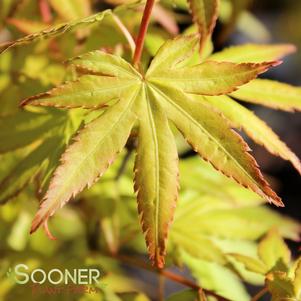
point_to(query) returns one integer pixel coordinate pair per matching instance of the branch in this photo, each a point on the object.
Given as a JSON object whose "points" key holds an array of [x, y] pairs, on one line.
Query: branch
{"points": [[142, 31], [167, 274]]}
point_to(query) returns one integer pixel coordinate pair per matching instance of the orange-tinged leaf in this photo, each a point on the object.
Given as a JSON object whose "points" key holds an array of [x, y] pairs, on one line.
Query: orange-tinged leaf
{"points": [[84, 161], [106, 78], [105, 64], [210, 136], [210, 78], [165, 93], [89, 91]]}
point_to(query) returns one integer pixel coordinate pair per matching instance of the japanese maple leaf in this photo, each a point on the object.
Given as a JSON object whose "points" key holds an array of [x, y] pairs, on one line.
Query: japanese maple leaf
{"points": [[152, 101]]}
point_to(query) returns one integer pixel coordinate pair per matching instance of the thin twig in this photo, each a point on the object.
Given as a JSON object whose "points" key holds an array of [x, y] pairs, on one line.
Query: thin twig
{"points": [[125, 32], [202, 296], [260, 294], [142, 31]]}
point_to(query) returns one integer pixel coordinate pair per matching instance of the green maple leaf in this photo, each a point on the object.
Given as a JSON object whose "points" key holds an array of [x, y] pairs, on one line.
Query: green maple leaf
{"points": [[163, 95]]}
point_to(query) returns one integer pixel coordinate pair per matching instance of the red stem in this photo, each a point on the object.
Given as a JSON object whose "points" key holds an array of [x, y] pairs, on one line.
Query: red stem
{"points": [[142, 31]]}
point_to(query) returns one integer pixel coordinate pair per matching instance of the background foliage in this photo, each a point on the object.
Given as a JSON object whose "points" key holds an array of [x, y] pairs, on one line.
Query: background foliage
{"points": [[223, 235]]}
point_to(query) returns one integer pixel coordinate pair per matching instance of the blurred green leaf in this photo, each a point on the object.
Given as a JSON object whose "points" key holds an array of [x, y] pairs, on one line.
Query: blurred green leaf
{"points": [[18, 236], [26, 170], [24, 128], [217, 278], [251, 264], [187, 295], [272, 248]]}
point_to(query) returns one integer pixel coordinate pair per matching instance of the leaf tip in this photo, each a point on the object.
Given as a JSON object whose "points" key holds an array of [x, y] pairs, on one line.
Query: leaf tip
{"points": [[276, 200], [265, 66]]}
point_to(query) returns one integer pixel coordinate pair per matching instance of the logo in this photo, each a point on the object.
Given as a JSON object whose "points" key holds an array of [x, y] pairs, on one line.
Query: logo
{"points": [[57, 281]]}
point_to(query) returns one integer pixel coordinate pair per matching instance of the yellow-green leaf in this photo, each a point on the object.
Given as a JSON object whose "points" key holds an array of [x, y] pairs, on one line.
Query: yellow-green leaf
{"points": [[209, 78], [172, 53], [156, 98], [253, 53], [156, 175], [93, 151], [191, 239], [89, 91], [104, 64], [248, 223], [251, 264], [210, 136], [272, 94], [217, 278], [272, 248]]}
